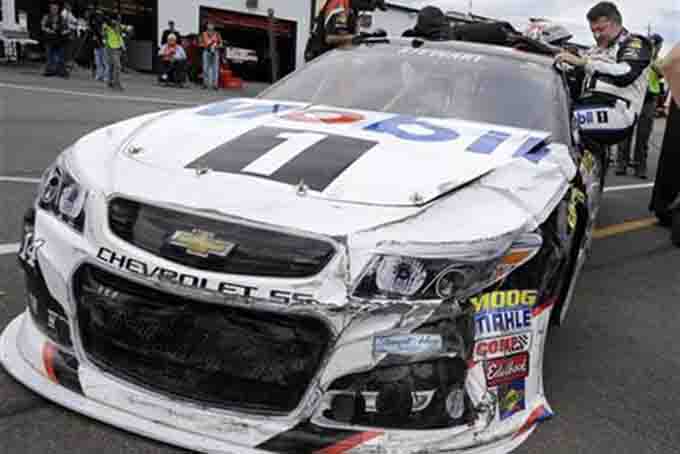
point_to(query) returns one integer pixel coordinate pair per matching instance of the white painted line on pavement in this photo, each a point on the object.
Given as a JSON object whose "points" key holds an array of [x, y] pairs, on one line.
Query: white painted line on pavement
{"points": [[11, 248], [19, 180], [97, 95], [629, 187]]}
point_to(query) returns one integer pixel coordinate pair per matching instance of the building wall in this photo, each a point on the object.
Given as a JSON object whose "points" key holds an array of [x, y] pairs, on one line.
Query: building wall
{"points": [[185, 13]]}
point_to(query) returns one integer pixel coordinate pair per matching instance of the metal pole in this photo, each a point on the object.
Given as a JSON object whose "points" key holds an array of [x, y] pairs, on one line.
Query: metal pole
{"points": [[273, 55]]}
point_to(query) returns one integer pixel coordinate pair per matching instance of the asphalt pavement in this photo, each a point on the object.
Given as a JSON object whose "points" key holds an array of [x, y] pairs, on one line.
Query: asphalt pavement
{"points": [[611, 373]]}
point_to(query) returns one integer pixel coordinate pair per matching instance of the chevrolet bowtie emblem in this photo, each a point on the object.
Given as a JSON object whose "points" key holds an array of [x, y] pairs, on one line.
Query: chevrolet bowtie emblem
{"points": [[201, 243]]}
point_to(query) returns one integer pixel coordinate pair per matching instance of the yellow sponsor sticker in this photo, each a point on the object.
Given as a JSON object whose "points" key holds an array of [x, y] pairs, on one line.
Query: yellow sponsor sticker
{"points": [[572, 215], [504, 299]]}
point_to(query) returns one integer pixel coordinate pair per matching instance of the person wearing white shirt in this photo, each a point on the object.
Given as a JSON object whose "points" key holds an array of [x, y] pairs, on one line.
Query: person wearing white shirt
{"points": [[173, 61]]}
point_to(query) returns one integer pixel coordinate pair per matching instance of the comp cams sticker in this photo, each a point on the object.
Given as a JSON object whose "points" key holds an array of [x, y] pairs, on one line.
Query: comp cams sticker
{"points": [[498, 347]]}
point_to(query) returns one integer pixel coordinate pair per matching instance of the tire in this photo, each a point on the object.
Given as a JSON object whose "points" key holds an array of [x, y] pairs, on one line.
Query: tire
{"points": [[675, 228], [665, 218]]}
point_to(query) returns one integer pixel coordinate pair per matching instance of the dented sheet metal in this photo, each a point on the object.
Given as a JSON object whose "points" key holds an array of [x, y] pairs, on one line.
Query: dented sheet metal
{"points": [[392, 295]]}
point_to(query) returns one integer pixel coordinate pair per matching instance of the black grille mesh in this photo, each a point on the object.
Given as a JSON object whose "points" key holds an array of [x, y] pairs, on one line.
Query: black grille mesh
{"points": [[256, 252], [223, 356]]}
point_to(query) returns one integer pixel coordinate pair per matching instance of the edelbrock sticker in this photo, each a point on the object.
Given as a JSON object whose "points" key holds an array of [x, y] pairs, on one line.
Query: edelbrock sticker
{"points": [[407, 344], [506, 370]]}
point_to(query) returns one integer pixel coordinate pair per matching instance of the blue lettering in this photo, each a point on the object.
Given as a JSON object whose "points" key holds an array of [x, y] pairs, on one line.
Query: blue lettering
{"points": [[510, 318], [482, 324], [488, 143], [245, 110], [584, 118], [394, 126], [526, 318], [526, 150], [497, 322]]}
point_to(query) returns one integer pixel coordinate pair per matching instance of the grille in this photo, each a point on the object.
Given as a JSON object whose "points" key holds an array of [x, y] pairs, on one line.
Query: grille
{"points": [[255, 252], [222, 356]]}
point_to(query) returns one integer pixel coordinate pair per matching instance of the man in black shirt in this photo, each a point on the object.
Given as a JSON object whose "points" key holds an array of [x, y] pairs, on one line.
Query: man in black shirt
{"points": [[170, 31]]}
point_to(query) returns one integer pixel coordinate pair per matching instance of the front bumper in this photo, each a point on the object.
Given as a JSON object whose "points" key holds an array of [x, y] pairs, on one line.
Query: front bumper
{"points": [[76, 383]]}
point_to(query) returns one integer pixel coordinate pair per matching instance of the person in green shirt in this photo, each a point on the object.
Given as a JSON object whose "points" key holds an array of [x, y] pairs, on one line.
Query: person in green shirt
{"points": [[645, 123], [113, 41]]}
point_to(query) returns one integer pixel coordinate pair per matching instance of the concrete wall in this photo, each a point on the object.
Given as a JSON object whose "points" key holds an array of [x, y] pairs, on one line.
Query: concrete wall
{"points": [[185, 13]]}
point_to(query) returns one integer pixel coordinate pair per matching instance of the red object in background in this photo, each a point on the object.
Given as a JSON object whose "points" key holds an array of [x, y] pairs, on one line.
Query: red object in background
{"points": [[228, 80]]}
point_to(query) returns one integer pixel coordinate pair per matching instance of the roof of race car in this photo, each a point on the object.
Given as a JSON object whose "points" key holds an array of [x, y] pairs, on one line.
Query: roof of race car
{"points": [[464, 46]]}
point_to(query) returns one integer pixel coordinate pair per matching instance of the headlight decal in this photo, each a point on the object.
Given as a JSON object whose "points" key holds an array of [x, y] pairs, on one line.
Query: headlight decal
{"points": [[60, 194], [431, 275]]}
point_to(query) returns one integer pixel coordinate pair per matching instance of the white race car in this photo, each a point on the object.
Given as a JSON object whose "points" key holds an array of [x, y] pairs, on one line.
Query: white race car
{"points": [[364, 259]]}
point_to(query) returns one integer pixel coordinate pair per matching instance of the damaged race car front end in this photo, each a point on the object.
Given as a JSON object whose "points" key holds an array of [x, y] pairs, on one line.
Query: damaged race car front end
{"points": [[436, 346], [229, 312]]}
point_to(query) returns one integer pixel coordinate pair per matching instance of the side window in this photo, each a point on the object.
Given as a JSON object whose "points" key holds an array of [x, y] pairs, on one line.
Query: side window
{"points": [[565, 124]]}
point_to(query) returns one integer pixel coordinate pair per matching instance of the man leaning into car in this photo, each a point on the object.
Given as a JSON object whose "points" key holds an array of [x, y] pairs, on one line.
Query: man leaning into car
{"points": [[615, 71], [336, 26]]}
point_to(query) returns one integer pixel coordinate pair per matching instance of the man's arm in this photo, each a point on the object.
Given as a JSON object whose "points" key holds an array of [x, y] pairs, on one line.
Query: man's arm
{"points": [[633, 58], [670, 67]]}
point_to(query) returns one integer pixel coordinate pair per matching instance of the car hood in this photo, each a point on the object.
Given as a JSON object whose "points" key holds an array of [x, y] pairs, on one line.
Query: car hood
{"points": [[333, 154], [495, 187]]}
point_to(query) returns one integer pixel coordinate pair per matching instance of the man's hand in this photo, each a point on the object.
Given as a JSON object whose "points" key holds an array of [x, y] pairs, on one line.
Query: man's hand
{"points": [[569, 58]]}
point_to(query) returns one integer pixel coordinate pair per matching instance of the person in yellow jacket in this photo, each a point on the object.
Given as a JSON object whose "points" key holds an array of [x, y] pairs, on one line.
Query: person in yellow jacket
{"points": [[113, 41], [645, 123]]}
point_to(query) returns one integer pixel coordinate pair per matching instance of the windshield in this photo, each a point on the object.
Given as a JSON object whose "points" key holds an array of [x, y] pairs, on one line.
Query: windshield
{"points": [[433, 82]]}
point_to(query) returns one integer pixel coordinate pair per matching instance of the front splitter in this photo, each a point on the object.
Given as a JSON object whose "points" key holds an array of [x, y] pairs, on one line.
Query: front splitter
{"points": [[28, 373], [14, 362]]}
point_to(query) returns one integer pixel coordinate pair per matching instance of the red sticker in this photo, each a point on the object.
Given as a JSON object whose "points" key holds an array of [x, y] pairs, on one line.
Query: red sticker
{"points": [[325, 116], [506, 370]]}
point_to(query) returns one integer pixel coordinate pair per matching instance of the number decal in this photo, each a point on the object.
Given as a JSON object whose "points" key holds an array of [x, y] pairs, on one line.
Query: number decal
{"points": [[286, 155], [294, 144]]}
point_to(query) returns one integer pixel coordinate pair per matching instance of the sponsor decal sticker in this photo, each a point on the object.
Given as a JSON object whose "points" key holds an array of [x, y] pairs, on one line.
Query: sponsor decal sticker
{"points": [[577, 197], [442, 54], [506, 370], [504, 299], [325, 116], [588, 162], [589, 117], [491, 324], [407, 344], [511, 398], [498, 347], [141, 268]]}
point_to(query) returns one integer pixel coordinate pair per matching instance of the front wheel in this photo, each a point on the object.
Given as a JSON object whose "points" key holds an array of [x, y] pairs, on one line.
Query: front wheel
{"points": [[675, 228]]}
